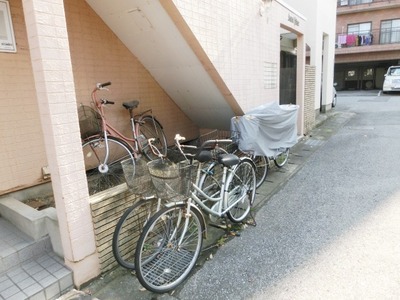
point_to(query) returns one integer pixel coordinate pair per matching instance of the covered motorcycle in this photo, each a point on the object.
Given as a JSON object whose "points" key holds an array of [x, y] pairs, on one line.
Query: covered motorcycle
{"points": [[267, 129]]}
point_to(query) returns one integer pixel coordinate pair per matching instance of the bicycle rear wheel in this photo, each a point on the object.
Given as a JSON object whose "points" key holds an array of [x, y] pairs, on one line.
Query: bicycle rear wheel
{"points": [[129, 228], [150, 128], [261, 163], [102, 174], [241, 189], [282, 158], [211, 180], [161, 262]]}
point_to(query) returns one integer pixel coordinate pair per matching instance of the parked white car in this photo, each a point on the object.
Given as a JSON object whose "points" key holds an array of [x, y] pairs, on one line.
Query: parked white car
{"points": [[392, 80]]}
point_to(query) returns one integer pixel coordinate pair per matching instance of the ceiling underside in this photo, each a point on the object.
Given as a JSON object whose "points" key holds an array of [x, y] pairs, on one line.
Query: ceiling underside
{"points": [[149, 33]]}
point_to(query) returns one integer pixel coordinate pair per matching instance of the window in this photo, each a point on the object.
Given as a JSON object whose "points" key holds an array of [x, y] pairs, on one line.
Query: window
{"points": [[390, 31], [360, 28], [354, 2], [351, 75], [7, 41], [368, 73]]}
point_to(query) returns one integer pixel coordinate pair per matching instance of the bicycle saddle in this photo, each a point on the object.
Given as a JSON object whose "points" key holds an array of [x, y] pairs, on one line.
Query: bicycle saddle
{"points": [[228, 160], [131, 104], [204, 156]]}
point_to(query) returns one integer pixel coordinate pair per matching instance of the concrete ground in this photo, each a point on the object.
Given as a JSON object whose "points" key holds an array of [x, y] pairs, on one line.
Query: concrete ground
{"points": [[327, 223]]}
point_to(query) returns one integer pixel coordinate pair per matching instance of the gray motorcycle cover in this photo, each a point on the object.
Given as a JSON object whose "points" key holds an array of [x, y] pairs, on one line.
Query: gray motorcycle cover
{"points": [[266, 129]]}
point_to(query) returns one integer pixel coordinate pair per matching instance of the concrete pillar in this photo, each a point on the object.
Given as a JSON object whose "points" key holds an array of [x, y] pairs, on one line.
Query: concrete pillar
{"points": [[55, 92], [300, 84], [327, 73]]}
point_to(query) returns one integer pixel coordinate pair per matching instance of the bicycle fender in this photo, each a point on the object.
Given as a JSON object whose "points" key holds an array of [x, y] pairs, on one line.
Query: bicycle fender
{"points": [[194, 207]]}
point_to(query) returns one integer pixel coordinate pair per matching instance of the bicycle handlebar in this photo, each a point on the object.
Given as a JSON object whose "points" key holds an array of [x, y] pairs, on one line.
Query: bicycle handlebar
{"points": [[178, 138], [103, 85], [105, 101], [154, 149]]}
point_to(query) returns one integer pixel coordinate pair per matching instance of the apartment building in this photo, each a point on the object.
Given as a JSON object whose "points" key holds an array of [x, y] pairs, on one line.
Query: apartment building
{"points": [[367, 42], [195, 63]]}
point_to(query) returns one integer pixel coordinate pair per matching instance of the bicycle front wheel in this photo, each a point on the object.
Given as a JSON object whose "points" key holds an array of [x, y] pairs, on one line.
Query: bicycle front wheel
{"points": [[150, 128], [162, 262], [282, 158], [241, 190], [128, 230], [104, 172]]}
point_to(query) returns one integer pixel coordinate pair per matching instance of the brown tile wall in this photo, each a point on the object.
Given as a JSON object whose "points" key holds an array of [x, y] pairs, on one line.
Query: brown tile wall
{"points": [[97, 56]]}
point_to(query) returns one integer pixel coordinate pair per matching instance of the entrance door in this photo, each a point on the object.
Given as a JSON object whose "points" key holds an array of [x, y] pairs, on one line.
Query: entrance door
{"points": [[288, 81]]}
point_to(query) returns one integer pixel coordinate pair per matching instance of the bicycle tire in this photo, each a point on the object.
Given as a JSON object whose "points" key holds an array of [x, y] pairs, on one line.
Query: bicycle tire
{"points": [[211, 180], [261, 163], [162, 265], [104, 176], [281, 159], [241, 188], [150, 128], [128, 230]]}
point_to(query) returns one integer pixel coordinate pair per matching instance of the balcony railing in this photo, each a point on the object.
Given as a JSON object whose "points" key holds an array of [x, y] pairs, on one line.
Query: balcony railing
{"points": [[365, 39], [344, 3]]}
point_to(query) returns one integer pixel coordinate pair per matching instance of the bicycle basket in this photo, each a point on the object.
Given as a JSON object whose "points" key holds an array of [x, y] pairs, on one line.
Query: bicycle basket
{"points": [[170, 180], [137, 177], [89, 121]]}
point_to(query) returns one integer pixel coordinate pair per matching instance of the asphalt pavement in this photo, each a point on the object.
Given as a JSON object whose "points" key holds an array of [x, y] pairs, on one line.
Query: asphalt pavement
{"points": [[328, 223]]}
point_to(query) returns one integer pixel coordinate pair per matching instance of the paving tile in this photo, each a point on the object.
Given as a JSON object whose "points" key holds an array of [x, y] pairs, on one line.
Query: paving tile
{"points": [[30, 269], [10, 261], [33, 289], [66, 283], [47, 281], [26, 253], [10, 291], [40, 275], [5, 284], [38, 296], [52, 290], [14, 272], [26, 283], [33, 268], [17, 296]]}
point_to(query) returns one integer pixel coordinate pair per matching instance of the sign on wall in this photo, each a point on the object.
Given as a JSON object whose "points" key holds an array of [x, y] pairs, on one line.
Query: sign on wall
{"points": [[7, 40]]}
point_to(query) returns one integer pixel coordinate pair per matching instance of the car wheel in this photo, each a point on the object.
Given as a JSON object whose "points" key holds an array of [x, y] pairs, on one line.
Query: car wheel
{"points": [[334, 100]]}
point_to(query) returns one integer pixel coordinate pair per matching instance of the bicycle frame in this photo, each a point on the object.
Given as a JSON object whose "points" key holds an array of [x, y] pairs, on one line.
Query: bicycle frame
{"points": [[109, 130]]}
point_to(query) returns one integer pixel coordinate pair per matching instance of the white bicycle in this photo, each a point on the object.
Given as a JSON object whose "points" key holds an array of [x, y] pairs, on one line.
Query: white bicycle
{"points": [[171, 241]]}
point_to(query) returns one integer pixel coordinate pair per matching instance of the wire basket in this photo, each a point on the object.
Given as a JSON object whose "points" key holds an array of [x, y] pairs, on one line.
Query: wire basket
{"points": [[137, 177], [89, 121], [172, 181]]}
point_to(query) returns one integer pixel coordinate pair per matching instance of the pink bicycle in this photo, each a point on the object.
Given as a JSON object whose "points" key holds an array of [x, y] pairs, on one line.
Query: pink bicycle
{"points": [[105, 147]]}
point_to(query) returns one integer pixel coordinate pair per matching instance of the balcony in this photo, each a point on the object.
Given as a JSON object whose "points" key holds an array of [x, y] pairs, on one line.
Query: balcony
{"points": [[371, 41], [354, 6]]}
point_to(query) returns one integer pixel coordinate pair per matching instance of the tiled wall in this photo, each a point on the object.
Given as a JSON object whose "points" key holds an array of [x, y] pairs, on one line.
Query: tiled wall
{"points": [[309, 111], [97, 56], [239, 42], [22, 150]]}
